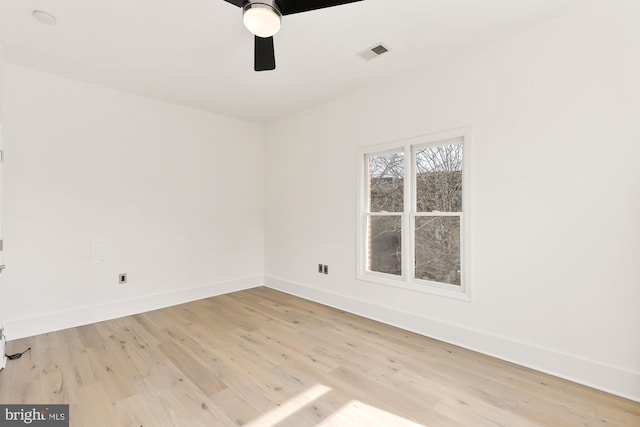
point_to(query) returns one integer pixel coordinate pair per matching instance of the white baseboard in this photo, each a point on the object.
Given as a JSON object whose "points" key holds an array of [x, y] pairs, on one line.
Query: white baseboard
{"points": [[593, 374], [49, 322]]}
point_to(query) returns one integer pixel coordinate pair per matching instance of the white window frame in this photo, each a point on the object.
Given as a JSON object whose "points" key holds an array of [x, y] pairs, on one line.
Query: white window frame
{"points": [[407, 280]]}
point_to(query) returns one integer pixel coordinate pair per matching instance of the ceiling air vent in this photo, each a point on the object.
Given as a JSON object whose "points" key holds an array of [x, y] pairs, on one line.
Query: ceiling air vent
{"points": [[373, 52]]}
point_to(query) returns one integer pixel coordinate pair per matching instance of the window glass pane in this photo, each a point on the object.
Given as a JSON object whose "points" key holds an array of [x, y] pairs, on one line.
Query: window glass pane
{"points": [[439, 178], [385, 244], [438, 249], [386, 182]]}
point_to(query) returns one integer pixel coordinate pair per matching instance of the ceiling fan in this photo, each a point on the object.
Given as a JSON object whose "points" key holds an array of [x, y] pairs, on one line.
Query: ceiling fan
{"points": [[263, 17]]}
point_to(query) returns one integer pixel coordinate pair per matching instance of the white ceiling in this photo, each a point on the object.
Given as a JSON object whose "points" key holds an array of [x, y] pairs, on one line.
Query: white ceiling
{"points": [[197, 52]]}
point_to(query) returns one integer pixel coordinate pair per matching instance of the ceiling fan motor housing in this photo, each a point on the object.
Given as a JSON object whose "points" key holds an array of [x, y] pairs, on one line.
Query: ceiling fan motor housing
{"points": [[265, 3]]}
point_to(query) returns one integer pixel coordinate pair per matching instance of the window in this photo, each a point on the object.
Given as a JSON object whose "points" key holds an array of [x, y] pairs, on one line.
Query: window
{"points": [[411, 218]]}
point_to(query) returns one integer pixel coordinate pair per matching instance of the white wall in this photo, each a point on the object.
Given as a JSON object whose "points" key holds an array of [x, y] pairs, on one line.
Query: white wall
{"points": [[1, 293], [555, 207], [179, 192], [1, 66]]}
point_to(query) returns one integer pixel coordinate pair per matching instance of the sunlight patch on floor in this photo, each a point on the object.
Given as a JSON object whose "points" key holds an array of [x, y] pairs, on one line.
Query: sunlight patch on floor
{"points": [[356, 413], [289, 407]]}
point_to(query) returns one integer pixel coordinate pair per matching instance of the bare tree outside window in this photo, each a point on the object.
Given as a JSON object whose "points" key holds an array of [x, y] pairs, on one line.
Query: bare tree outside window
{"points": [[439, 179], [386, 182], [438, 249], [438, 189], [385, 244], [386, 196]]}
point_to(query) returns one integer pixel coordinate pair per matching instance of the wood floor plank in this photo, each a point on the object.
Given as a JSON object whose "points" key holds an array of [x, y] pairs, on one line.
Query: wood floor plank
{"points": [[261, 358], [102, 413], [192, 369], [237, 409]]}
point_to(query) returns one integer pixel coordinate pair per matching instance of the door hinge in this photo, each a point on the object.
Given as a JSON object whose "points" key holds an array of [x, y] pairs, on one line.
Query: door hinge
{"points": [[1, 156]]}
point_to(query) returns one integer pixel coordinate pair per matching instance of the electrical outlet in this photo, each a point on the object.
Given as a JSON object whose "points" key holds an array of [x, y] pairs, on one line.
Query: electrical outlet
{"points": [[325, 269], [320, 268], [122, 278]]}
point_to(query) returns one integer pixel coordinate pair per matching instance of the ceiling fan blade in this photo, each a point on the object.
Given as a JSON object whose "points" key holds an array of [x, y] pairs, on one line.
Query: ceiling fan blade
{"points": [[264, 58], [288, 7], [238, 3]]}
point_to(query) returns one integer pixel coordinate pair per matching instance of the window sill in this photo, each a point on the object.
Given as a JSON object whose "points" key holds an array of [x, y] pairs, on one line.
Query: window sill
{"points": [[424, 287]]}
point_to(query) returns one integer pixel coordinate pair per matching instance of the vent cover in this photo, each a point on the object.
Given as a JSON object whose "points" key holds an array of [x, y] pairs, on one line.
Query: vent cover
{"points": [[373, 51]]}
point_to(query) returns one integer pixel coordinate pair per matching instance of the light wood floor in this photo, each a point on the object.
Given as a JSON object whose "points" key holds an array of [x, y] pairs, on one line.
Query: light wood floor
{"points": [[264, 358]]}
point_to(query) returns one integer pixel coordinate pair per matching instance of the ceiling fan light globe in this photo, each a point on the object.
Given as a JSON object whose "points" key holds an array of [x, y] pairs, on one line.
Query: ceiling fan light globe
{"points": [[261, 19]]}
